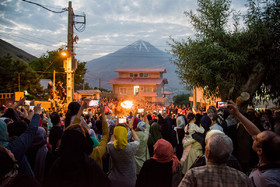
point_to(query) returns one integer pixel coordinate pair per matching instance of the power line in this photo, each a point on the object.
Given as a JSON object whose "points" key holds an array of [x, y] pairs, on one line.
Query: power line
{"points": [[58, 12], [26, 39], [32, 36], [79, 44], [77, 47]]}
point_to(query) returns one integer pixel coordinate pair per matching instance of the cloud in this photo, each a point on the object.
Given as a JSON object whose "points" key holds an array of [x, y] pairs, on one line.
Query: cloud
{"points": [[110, 24]]}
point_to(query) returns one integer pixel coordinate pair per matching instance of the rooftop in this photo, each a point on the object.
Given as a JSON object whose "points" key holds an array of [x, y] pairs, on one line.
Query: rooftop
{"points": [[141, 70]]}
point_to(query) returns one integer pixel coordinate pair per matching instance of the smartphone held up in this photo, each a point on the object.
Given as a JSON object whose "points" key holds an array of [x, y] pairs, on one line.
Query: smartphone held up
{"points": [[122, 120], [222, 104]]}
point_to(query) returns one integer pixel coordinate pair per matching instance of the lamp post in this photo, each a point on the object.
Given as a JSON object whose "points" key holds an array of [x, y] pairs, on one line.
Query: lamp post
{"points": [[67, 64]]}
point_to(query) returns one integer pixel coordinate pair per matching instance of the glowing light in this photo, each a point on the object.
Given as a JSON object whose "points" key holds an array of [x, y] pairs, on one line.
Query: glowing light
{"points": [[64, 53], [127, 104]]}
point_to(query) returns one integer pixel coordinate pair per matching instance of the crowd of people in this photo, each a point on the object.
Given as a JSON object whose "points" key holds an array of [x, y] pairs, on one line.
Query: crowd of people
{"points": [[107, 145]]}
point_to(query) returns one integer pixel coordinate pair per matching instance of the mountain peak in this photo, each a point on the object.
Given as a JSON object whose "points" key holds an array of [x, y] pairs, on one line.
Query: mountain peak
{"points": [[141, 45]]}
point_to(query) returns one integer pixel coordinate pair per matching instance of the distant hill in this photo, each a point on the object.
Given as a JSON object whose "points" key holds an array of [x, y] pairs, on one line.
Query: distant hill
{"points": [[140, 54], [6, 48]]}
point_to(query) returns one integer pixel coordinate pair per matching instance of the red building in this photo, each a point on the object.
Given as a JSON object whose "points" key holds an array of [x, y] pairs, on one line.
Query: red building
{"points": [[142, 84]]}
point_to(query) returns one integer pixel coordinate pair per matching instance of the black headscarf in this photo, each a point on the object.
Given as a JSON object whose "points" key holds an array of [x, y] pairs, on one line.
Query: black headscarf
{"points": [[73, 166], [166, 129]]}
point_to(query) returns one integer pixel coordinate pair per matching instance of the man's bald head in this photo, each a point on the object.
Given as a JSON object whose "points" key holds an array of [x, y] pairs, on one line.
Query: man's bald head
{"points": [[269, 141]]}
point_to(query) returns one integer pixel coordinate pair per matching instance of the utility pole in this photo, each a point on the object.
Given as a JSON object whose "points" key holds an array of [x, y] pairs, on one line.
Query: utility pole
{"points": [[19, 82], [194, 98], [84, 83], [70, 64], [69, 71], [54, 95]]}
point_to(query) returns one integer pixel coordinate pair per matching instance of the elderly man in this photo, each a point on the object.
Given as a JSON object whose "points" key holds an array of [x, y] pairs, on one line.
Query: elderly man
{"points": [[267, 145], [216, 173]]}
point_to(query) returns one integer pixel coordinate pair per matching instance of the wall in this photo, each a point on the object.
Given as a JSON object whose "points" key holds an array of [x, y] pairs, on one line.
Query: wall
{"points": [[150, 75]]}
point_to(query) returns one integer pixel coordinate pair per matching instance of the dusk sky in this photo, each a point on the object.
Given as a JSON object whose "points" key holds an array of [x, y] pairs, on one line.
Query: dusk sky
{"points": [[110, 24]]}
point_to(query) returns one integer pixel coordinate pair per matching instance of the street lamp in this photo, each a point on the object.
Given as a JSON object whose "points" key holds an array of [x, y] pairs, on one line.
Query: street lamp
{"points": [[64, 54]]}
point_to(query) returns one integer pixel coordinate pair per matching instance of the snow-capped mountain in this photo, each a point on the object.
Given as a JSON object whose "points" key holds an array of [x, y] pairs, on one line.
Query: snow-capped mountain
{"points": [[140, 54]]}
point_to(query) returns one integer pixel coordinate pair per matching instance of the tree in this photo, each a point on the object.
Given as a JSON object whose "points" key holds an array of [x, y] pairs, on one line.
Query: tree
{"points": [[182, 99], [226, 62], [15, 71], [47, 63], [53, 61]]}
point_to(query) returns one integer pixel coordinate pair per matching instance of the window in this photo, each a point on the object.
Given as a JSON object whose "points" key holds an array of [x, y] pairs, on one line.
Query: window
{"points": [[149, 89], [143, 75], [131, 74], [122, 90], [135, 75]]}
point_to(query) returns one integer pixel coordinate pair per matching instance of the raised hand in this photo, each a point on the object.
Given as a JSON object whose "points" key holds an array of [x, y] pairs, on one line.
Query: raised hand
{"points": [[232, 108], [37, 109], [102, 108], [85, 103], [19, 103]]}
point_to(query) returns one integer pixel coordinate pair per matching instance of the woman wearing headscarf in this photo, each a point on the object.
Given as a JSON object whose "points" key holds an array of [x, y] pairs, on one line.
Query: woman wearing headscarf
{"points": [[180, 133], [37, 154], [167, 131], [99, 148], [142, 154], [122, 153], [163, 169], [9, 175], [192, 148], [74, 167], [154, 137], [20, 145]]}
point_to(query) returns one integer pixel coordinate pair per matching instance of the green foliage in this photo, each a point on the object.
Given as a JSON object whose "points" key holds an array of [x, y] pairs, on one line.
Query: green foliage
{"points": [[182, 99], [13, 71], [86, 86], [102, 89], [263, 20], [242, 59], [79, 76], [53, 61], [47, 63]]}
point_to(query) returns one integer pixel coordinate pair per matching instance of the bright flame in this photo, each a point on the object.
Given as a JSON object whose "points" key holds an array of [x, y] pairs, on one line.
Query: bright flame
{"points": [[127, 104]]}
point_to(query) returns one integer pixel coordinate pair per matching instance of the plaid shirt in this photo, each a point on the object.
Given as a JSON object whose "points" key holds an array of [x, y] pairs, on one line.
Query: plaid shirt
{"points": [[216, 176]]}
